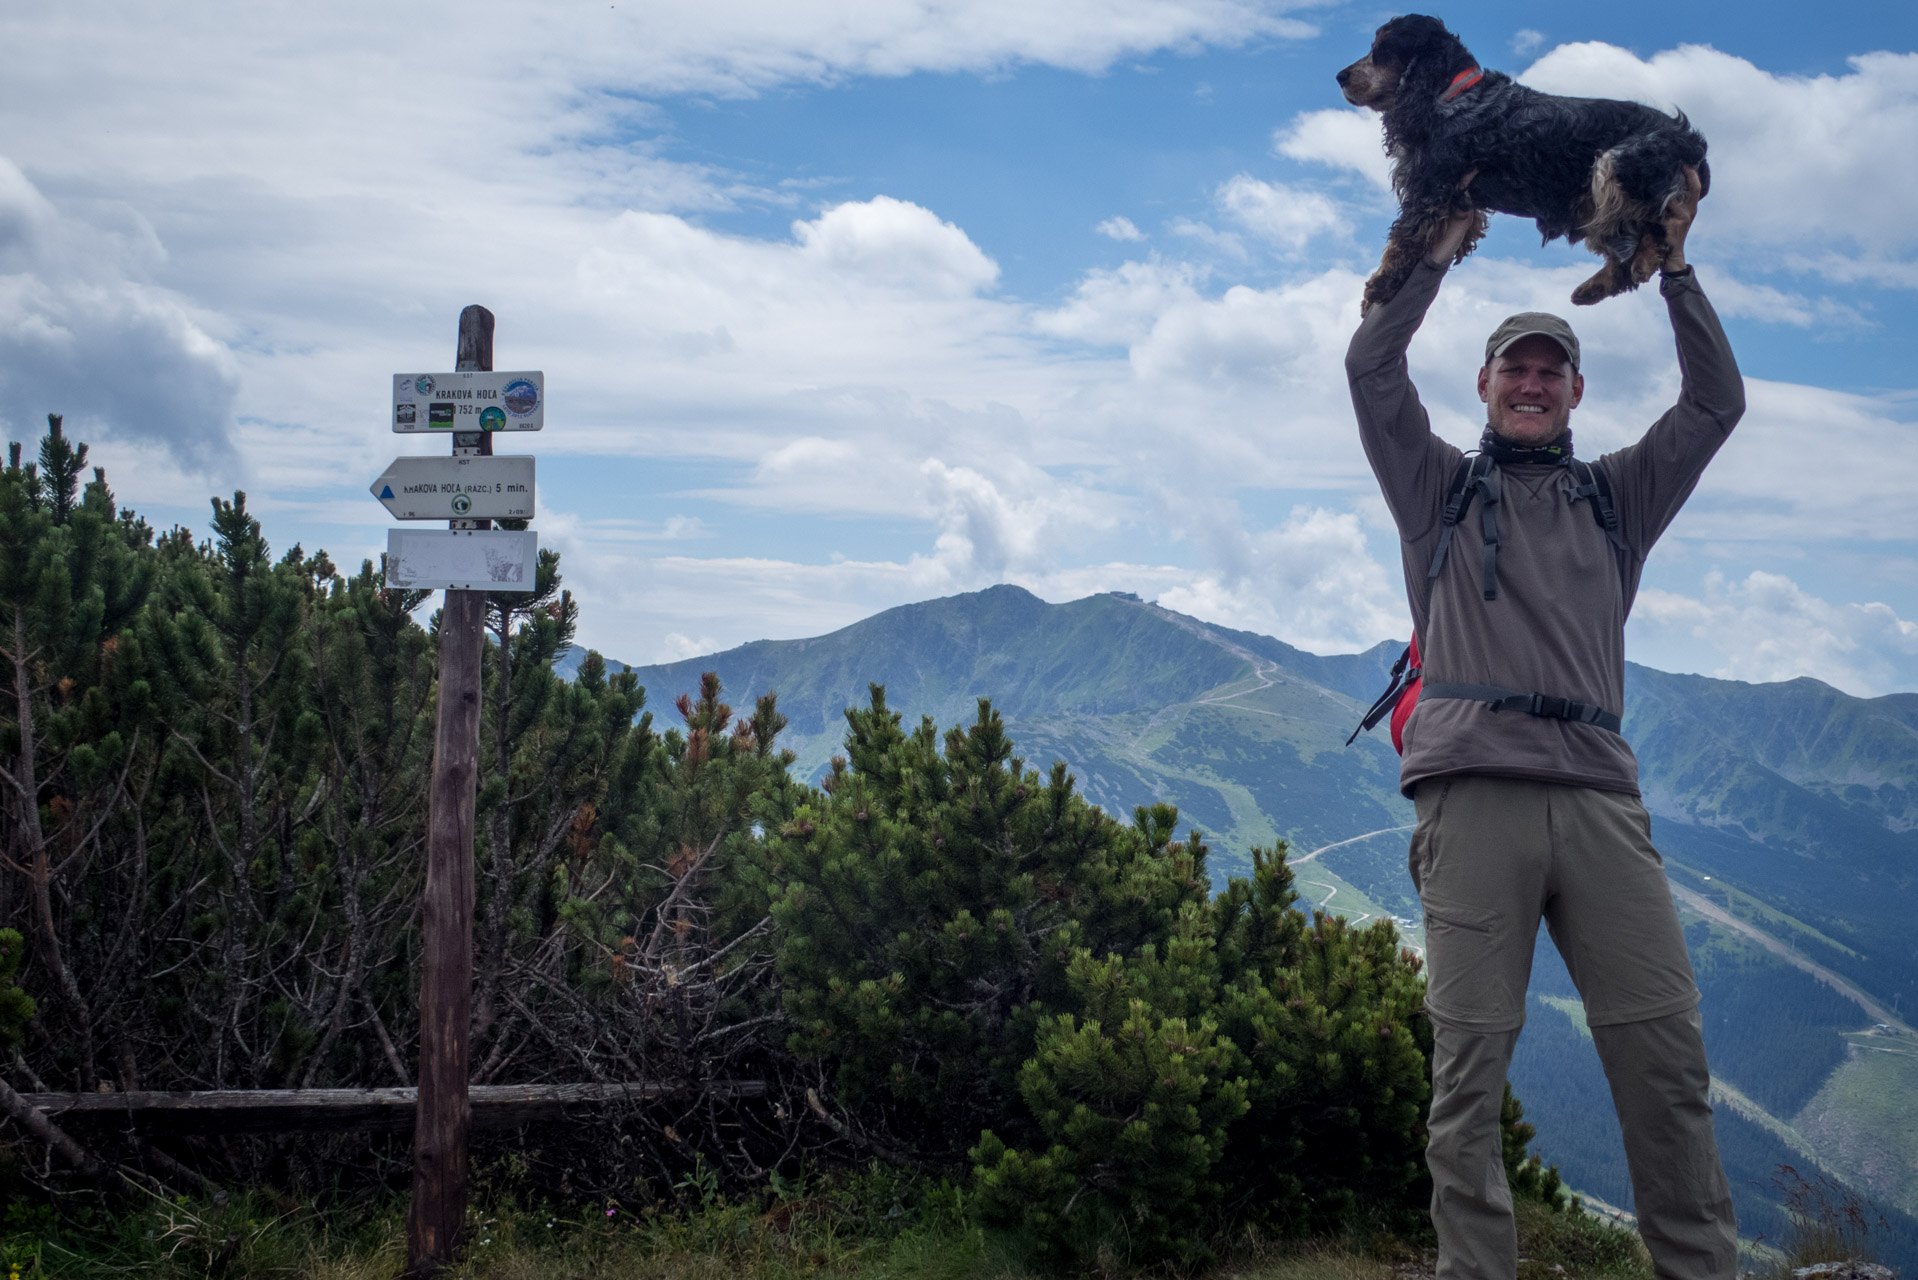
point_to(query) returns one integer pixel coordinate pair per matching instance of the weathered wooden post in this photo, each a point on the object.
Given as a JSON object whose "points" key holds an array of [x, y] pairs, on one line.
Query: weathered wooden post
{"points": [[469, 559], [436, 1219]]}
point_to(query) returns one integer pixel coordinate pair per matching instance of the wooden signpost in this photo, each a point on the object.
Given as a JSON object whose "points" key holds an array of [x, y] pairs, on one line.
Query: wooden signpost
{"points": [[436, 1218]]}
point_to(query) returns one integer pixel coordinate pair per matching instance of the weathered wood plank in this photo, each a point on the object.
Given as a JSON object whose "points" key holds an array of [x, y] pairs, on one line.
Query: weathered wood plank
{"points": [[494, 1107]]}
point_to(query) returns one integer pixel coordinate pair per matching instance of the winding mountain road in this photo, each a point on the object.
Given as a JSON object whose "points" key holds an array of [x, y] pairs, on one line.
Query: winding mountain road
{"points": [[1340, 844]]}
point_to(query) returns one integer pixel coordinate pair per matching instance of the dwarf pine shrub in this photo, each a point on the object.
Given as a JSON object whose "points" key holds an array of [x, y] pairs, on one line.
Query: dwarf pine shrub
{"points": [[995, 971]]}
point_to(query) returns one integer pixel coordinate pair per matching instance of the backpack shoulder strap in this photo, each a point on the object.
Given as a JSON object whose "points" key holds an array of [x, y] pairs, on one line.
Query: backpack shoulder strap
{"points": [[1474, 476], [1592, 484]]}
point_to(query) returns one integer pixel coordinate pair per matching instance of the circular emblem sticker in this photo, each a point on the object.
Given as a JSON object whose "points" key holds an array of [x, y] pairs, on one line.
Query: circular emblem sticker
{"points": [[424, 384], [461, 504], [492, 419], [521, 397]]}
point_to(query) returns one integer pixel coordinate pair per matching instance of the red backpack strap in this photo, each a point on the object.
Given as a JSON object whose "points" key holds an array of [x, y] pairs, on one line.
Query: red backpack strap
{"points": [[1408, 697], [1398, 700], [1389, 699]]}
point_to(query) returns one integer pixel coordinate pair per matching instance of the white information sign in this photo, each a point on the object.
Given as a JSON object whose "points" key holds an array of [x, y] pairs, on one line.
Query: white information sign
{"points": [[462, 559], [469, 401], [461, 487]]}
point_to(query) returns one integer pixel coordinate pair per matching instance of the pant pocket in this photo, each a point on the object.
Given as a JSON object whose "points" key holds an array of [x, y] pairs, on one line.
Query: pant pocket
{"points": [[1429, 801], [1458, 915], [1474, 980]]}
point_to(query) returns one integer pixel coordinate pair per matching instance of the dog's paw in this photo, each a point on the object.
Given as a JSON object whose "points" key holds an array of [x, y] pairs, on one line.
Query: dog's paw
{"points": [[1613, 277]]}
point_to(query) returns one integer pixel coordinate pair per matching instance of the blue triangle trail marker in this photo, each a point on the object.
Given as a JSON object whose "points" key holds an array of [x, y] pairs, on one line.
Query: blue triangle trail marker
{"points": [[456, 487]]}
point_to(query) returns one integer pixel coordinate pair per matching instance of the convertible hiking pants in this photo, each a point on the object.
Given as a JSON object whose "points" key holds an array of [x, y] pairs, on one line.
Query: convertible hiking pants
{"points": [[1491, 856]]}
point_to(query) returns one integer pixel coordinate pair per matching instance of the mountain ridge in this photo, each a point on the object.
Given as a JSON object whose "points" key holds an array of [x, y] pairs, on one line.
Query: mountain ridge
{"points": [[1787, 811], [1746, 779]]}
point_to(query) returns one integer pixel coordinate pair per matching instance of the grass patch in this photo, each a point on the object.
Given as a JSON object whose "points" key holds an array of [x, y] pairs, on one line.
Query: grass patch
{"points": [[1584, 1244], [872, 1226]]}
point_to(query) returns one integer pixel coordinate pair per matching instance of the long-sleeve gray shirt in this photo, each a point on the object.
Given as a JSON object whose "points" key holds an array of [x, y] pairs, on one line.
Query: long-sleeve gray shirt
{"points": [[1558, 624]]}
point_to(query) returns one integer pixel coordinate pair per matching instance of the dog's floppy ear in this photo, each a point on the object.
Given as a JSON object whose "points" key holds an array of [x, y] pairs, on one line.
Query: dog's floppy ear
{"points": [[1409, 44], [1400, 41]]}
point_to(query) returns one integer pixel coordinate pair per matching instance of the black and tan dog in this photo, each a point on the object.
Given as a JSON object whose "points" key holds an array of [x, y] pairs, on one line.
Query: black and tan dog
{"points": [[1462, 138]]}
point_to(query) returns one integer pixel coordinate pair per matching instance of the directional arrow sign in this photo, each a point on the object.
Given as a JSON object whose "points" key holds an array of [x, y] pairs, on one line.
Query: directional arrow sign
{"points": [[463, 487], [462, 559]]}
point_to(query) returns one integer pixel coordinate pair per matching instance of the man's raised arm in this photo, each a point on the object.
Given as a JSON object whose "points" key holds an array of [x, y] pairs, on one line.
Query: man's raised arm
{"points": [[1653, 477], [1412, 464]]}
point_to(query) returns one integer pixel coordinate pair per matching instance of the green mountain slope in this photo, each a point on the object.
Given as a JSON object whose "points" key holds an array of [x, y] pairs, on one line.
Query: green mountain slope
{"points": [[1804, 796], [1789, 809], [1858, 755], [1801, 795], [1143, 703]]}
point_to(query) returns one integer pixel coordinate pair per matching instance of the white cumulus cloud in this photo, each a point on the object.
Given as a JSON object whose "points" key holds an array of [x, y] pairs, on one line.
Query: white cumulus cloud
{"points": [[1120, 305], [896, 245], [1287, 218], [1310, 581], [1342, 139], [1803, 166], [1766, 627]]}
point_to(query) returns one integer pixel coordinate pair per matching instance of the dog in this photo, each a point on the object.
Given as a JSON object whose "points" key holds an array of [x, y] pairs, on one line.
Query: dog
{"points": [[1464, 139]]}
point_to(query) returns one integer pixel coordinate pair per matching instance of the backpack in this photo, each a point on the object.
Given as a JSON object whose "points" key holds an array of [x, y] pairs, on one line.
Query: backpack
{"points": [[1475, 478]]}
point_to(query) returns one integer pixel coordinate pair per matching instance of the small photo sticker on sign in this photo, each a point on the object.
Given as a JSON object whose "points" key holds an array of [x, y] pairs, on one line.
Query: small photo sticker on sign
{"points": [[521, 397]]}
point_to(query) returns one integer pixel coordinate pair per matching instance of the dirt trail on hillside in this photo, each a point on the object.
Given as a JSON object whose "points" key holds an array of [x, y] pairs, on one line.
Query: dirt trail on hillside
{"points": [[1706, 907]]}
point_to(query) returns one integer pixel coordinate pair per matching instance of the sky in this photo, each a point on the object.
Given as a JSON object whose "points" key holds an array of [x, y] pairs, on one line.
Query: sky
{"points": [[846, 305]]}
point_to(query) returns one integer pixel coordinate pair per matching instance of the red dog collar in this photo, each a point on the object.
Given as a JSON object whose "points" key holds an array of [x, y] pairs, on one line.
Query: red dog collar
{"points": [[1461, 82]]}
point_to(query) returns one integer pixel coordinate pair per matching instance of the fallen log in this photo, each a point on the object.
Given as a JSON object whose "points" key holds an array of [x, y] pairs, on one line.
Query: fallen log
{"points": [[495, 1106], [20, 1109]]}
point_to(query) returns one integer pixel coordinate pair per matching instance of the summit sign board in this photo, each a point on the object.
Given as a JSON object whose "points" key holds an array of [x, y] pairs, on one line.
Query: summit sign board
{"points": [[471, 400], [462, 487]]}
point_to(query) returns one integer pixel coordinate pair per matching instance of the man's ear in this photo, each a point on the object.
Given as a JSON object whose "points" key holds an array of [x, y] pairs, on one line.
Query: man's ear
{"points": [[1485, 385], [1578, 388]]}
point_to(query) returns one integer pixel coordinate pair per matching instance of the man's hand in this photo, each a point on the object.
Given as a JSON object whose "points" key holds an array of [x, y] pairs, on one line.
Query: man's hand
{"points": [[1444, 248], [1678, 220]]}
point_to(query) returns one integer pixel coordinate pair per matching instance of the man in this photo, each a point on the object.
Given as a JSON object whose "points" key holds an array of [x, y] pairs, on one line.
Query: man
{"points": [[1531, 808]]}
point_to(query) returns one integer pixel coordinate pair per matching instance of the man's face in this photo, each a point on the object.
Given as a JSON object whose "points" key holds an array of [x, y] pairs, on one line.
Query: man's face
{"points": [[1530, 390]]}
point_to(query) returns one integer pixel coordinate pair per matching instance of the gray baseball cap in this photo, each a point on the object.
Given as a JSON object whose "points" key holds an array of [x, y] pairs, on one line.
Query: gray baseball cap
{"points": [[1524, 325]]}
